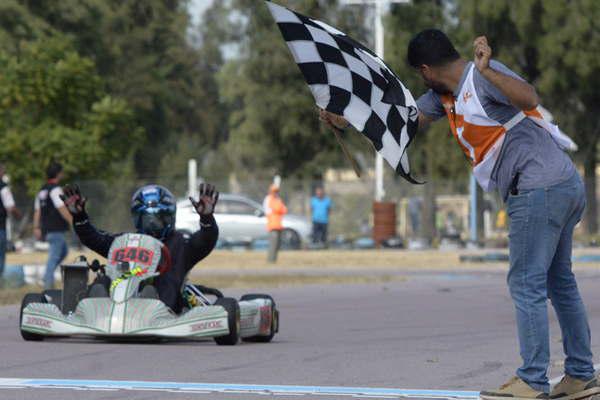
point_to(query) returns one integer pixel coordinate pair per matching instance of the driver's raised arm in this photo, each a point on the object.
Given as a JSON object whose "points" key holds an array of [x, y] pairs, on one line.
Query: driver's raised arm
{"points": [[202, 242], [90, 237]]}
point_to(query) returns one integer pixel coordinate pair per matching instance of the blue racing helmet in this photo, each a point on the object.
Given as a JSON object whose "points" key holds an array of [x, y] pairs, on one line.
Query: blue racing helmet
{"points": [[153, 210]]}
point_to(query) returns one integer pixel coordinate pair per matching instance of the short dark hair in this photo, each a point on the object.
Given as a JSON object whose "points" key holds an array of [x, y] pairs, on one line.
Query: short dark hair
{"points": [[431, 47], [53, 169]]}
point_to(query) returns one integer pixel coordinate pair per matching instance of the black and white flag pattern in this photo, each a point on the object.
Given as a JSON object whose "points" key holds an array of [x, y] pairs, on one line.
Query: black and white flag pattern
{"points": [[348, 79]]}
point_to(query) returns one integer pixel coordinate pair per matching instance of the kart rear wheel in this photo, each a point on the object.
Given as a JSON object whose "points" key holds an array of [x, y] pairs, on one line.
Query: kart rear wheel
{"points": [[28, 299], [274, 318], [233, 320]]}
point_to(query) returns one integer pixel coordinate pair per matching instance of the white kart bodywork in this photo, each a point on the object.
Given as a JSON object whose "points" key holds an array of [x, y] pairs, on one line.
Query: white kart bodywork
{"points": [[125, 315], [144, 317]]}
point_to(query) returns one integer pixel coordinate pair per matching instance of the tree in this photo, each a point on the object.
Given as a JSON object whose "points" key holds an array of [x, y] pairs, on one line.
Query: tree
{"points": [[273, 122], [54, 107], [570, 83], [142, 52], [434, 154]]}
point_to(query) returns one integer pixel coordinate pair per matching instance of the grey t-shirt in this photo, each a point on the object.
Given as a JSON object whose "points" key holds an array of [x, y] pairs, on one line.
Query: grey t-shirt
{"points": [[528, 148]]}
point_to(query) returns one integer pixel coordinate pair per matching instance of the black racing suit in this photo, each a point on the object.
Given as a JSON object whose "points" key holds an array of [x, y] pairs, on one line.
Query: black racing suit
{"points": [[185, 253]]}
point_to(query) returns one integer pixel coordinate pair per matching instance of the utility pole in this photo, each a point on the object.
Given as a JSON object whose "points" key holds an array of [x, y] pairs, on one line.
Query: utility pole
{"points": [[381, 7]]}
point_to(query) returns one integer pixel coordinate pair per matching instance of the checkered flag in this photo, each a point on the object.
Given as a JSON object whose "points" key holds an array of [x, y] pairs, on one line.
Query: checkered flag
{"points": [[348, 79]]}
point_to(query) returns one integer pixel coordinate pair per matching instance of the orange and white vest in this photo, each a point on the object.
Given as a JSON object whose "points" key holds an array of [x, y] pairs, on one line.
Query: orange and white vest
{"points": [[481, 137]]}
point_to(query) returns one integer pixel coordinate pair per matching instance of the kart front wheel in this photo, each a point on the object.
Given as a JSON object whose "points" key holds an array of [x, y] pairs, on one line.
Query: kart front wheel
{"points": [[233, 320], [28, 299], [274, 318]]}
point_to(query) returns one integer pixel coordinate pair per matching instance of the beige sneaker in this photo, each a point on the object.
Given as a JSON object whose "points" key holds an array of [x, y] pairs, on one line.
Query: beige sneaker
{"points": [[514, 389], [570, 388]]}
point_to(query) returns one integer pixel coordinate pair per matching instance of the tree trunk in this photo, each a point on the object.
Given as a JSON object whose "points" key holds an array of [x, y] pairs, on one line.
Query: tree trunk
{"points": [[591, 211]]}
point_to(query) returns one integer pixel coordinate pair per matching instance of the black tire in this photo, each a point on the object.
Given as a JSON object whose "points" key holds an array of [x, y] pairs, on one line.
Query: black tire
{"points": [[28, 299], [53, 296], [290, 240], [274, 318], [233, 320]]}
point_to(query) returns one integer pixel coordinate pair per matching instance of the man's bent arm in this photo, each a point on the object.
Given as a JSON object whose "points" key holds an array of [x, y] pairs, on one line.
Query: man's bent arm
{"points": [[520, 93]]}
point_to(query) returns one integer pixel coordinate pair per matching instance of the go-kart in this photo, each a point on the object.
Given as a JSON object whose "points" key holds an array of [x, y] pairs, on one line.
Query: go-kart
{"points": [[127, 306]]}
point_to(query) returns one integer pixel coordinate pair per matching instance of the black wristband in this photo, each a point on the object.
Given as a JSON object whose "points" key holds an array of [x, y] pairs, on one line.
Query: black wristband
{"points": [[206, 221], [80, 218]]}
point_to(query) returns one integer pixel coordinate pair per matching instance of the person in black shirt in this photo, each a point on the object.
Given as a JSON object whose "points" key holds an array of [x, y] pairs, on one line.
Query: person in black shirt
{"points": [[153, 209], [7, 206], [51, 221]]}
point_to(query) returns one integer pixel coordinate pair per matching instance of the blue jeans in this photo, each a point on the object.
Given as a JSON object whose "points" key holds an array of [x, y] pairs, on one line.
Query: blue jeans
{"points": [[2, 251], [540, 241], [319, 233], [56, 254]]}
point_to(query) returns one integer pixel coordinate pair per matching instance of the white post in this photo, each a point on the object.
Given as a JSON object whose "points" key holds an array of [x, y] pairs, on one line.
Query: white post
{"points": [[380, 51], [192, 178], [380, 8]]}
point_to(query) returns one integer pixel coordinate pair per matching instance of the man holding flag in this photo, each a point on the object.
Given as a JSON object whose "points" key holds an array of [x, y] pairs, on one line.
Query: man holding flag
{"points": [[495, 118]]}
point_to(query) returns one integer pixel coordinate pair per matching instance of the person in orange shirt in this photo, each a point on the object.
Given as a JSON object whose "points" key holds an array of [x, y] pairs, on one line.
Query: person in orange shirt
{"points": [[275, 209]]}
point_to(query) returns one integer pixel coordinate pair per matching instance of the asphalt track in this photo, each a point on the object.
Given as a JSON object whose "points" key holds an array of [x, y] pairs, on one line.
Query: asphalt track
{"points": [[449, 332]]}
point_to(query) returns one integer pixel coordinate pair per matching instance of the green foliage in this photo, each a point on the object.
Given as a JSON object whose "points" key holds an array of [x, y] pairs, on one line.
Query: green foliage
{"points": [[53, 107], [99, 84], [434, 154], [273, 121], [143, 56]]}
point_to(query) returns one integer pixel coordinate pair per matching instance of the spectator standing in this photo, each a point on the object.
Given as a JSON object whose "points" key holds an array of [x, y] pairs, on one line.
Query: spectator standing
{"points": [[275, 209], [7, 206], [320, 206], [415, 204], [52, 220]]}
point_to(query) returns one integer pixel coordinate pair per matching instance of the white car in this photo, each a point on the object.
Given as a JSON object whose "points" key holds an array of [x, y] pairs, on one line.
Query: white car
{"points": [[242, 220]]}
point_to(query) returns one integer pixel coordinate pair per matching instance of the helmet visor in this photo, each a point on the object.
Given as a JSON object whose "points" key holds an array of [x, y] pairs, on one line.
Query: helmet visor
{"points": [[155, 224]]}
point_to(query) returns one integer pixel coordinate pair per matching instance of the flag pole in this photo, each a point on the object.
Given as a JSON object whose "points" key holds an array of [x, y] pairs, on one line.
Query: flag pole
{"points": [[338, 135]]}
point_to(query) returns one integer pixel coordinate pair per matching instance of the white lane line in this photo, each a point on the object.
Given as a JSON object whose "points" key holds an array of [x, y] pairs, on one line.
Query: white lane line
{"points": [[266, 390]]}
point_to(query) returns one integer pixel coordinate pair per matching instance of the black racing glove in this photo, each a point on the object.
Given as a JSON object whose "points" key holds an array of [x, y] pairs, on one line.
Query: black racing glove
{"points": [[207, 202], [74, 202]]}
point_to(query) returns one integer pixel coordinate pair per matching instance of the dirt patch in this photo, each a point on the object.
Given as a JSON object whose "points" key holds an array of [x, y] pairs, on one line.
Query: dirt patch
{"points": [[332, 259]]}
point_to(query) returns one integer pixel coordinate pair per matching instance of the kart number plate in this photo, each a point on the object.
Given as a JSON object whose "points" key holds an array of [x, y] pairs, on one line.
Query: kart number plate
{"points": [[133, 255]]}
